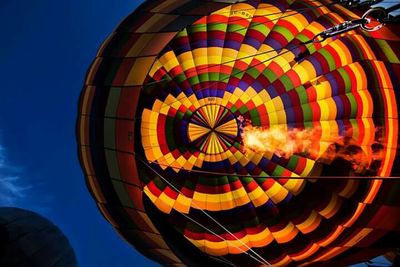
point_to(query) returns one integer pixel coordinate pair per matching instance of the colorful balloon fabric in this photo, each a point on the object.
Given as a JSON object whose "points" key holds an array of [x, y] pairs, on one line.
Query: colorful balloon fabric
{"points": [[206, 129]]}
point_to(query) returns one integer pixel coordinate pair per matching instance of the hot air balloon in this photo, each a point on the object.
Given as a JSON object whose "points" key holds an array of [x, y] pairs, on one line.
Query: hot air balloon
{"points": [[28, 239], [247, 133]]}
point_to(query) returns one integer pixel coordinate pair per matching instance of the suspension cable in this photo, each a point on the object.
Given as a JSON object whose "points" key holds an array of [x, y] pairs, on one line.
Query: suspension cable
{"points": [[205, 213]]}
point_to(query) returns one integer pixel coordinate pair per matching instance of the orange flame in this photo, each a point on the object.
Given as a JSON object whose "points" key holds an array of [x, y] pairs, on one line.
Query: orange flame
{"points": [[279, 140]]}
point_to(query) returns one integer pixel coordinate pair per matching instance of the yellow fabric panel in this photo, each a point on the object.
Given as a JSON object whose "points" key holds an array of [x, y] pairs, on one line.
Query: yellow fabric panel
{"points": [[169, 61], [332, 252], [328, 109], [265, 53], [286, 234], [280, 195], [297, 20], [139, 71], [294, 185], [215, 248], [240, 196], [366, 99], [316, 28], [187, 63], [366, 48], [168, 6], [283, 262], [361, 78], [200, 56], [244, 97], [242, 10], [261, 239], [314, 248], [164, 203], [93, 70], [342, 50], [182, 204], [309, 166], [310, 224], [331, 237], [281, 60], [323, 90], [258, 197], [376, 184], [200, 160], [214, 56], [349, 189], [156, 22], [156, 66], [230, 128], [358, 237], [229, 56], [214, 206], [140, 44], [331, 208], [234, 246], [246, 52]]}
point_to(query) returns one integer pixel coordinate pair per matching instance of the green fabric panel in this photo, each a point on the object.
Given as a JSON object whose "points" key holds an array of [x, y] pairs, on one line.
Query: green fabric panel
{"points": [[329, 58], [260, 27], [270, 75], [217, 181], [198, 28], [390, 54], [255, 117], [284, 31], [278, 171], [189, 185], [253, 72], [224, 77], [160, 184], [112, 102], [203, 77], [112, 163], [217, 27], [169, 133], [194, 80], [287, 82], [307, 112], [243, 109], [113, 71], [353, 105], [345, 77], [181, 78], [213, 76], [301, 92], [291, 165], [237, 29], [123, 196], [109, 133]]}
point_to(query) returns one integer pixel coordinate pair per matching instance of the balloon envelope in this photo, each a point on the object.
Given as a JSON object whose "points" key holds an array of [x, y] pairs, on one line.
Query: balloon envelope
{"points": [[206, 129], [28, 239]]}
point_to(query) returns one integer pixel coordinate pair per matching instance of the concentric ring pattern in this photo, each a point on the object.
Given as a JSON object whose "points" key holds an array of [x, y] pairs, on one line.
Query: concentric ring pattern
{"points": [[180, 119]]}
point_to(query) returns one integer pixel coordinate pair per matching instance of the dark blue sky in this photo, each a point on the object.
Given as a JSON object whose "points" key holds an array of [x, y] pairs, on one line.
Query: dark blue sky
{"points": [[45, 49]]}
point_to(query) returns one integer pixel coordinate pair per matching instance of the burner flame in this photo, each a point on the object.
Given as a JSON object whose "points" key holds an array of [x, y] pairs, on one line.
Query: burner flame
{"points": [[279, 140]]}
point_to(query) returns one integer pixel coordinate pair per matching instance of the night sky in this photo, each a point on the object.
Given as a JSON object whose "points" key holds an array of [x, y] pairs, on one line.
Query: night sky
{"points": [[46, 48]]}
